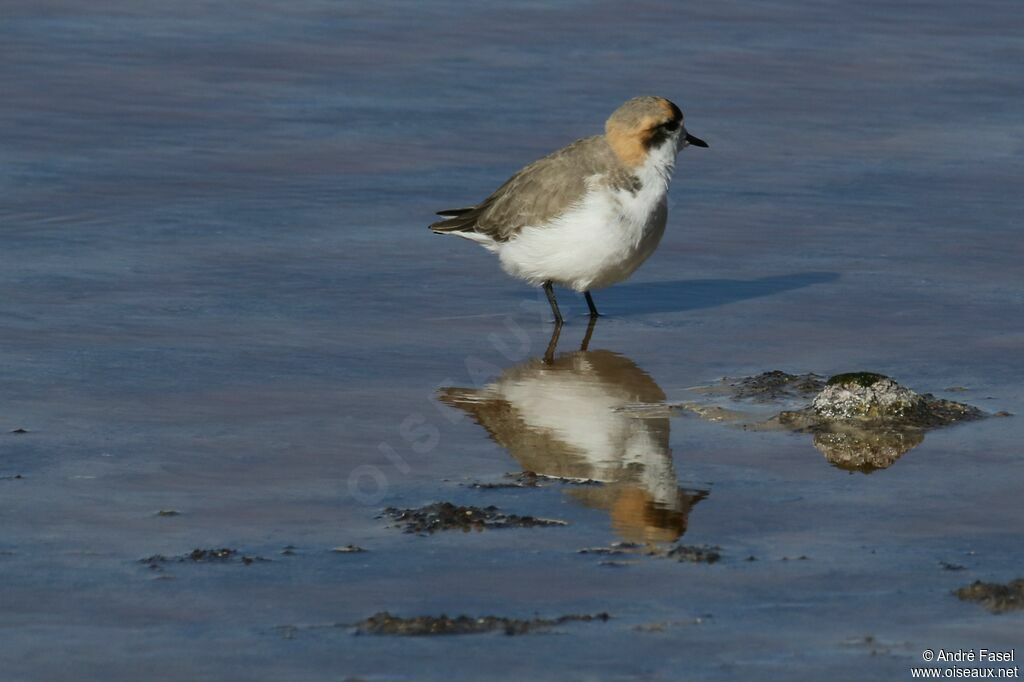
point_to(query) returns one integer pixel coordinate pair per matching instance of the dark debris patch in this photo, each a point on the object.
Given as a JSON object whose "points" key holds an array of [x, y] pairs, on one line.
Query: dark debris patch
{"points": [[202, 556], [662, 626], [696, 554], [525, 479], [348, 549], [211, 554], [995, 597], [530, 479], [384, 623], [447, 516], [616, 548], [776, 385], [945, 412], [869, 643]]}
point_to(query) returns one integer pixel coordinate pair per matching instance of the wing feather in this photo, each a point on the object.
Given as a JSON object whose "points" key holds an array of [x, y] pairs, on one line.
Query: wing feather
{"points": [[537, 194]]}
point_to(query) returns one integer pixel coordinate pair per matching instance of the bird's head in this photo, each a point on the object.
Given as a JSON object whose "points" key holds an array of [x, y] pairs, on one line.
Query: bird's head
{"points": [[644, 124]]}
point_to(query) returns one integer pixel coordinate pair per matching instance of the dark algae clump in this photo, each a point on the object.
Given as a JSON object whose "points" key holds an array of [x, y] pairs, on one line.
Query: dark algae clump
{"points": [[695, 554], [526, 479], [203, 556], [447, 516], [211, 554], [349, 549], [691, 554], [615, 549], [995, 597], [775, 385], [530, 479], [384, 623]]}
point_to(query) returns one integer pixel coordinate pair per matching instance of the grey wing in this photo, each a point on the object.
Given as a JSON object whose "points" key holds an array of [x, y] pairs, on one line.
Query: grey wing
{"points": [[535, 195]]}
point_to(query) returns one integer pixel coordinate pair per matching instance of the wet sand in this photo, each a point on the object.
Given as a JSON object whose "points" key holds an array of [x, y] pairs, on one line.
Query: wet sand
{"points": [[219, 298]]}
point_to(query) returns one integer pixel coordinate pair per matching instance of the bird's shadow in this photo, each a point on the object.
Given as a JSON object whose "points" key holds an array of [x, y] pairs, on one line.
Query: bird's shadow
{"points": [[638, 298]]}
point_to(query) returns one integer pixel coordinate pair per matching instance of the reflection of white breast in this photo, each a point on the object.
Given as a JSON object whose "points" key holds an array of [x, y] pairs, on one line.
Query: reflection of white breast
{"points": [[573, 409], [579, 410]]}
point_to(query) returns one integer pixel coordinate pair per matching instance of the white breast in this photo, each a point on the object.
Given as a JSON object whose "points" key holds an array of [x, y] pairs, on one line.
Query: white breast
{"points": [[600, 241]]}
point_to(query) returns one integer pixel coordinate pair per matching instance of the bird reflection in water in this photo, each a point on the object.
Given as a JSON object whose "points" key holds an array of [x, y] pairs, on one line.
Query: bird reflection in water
{"points": [[559, 416]]}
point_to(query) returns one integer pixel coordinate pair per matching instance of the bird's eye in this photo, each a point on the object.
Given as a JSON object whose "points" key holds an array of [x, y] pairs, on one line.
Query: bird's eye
{"points": [[671, 126]]}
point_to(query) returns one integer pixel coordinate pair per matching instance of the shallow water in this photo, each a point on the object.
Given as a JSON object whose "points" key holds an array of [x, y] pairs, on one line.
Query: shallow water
{"points": [[219, 297]]}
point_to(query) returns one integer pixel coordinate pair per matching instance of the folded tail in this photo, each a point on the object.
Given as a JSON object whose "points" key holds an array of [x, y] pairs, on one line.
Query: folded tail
{"points": [[455, 220]]}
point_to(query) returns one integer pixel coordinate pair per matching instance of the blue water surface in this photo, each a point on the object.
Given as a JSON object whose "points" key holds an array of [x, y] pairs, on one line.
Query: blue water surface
{"points": [[218, 296]]}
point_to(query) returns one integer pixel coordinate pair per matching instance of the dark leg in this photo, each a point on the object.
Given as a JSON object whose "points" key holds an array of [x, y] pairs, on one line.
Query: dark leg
{"points": [[549, 354], [590, 332], [554, 304], [590, 304]]}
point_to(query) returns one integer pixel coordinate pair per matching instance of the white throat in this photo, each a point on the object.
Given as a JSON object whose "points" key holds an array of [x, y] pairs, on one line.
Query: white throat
{"points": [[656, 170], [642, 206]]}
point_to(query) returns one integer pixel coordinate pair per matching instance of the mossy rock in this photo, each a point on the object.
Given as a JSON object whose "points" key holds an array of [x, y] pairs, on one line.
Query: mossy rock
{"points": [[862, 379], [870, 397]]}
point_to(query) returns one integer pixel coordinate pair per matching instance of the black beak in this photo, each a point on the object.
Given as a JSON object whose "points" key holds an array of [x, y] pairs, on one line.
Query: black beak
{"points": [[695, 141]]}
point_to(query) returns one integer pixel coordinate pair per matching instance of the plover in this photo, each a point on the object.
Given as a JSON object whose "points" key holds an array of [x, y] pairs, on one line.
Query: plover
{"points": [[564, 419], [586, 216]]}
